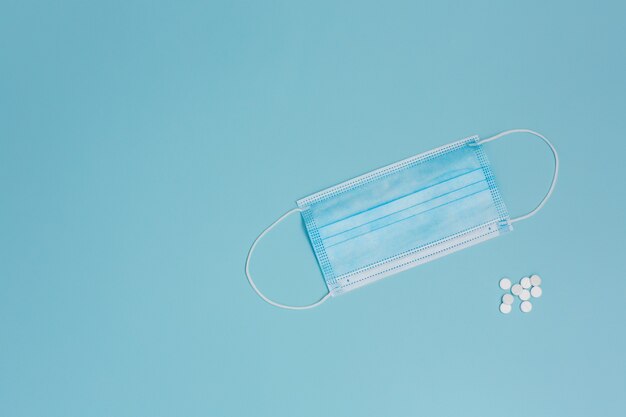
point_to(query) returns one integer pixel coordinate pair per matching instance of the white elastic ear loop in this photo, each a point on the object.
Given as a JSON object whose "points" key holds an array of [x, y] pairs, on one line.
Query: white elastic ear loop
{"points": [[556, 167], [254, 287]]}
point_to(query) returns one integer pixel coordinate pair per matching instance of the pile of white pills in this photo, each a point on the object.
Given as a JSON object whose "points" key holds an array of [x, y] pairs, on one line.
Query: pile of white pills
{"points": [[526, 288]]}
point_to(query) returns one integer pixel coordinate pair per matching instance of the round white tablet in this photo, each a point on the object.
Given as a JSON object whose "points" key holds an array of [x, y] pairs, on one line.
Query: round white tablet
{"points": [[535, 280], [507, 299], [516, 289], [524, 295], [505, 283], [526, 306], [525, 282], [536, 292], [505, 308]]}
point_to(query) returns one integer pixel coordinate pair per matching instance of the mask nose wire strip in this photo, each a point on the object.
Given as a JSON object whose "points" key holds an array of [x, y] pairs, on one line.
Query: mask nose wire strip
{"points": [[554, 176], [253, 285]]}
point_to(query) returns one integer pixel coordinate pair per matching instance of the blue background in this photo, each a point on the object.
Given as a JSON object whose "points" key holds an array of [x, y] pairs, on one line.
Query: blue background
{"points": [[144, 146]]}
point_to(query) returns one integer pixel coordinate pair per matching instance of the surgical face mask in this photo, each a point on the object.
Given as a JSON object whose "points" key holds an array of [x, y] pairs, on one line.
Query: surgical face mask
{"points": [[403, 215]]}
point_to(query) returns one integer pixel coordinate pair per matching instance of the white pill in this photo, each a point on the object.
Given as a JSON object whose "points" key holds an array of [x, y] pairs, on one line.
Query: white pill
{"points": [[516, 289], [535, 280], [536, 292], [505, 283], [507, 299], [525, 282], [505, 308], [526, 306], [524, 295]]}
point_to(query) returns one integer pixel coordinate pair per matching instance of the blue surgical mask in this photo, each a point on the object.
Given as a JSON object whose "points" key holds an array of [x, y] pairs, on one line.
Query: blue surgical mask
{"points": [[403, 215]]}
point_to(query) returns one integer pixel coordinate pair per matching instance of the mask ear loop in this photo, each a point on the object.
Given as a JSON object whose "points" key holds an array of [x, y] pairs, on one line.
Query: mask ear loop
{"points": [[254, 287], [554, 176]]}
